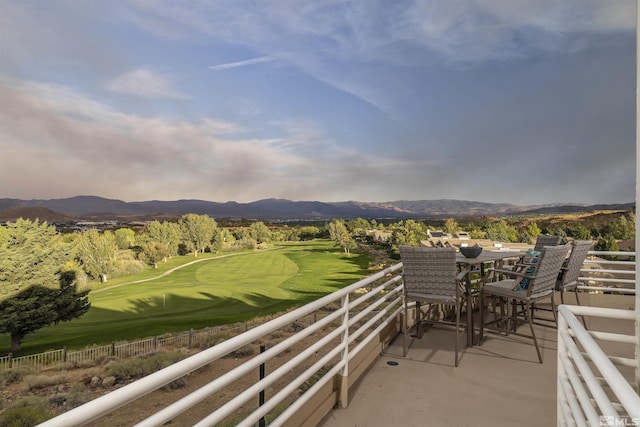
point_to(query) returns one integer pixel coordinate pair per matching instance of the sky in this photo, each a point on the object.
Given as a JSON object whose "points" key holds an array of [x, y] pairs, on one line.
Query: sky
{"points": [[502, 101]]}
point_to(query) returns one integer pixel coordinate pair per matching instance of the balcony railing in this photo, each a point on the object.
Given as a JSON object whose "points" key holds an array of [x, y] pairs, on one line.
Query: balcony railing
{"points": [[591, 389], [353, 327]]}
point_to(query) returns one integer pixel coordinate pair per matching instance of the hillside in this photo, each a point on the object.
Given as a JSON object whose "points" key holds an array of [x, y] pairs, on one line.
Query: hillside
{"points": [[98, 208]]}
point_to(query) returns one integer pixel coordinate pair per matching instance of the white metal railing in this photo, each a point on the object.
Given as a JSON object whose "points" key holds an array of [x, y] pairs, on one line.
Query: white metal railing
{"points": [[359, 319], [609, 275], [591, 390], [355, 320]]}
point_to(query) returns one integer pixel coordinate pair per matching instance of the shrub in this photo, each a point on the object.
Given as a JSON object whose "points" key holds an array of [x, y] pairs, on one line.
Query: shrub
{"points": [[33, 382], [139, 367], [24, 417], [215, 339], [26, 412], [13, 375], [129, 267]]}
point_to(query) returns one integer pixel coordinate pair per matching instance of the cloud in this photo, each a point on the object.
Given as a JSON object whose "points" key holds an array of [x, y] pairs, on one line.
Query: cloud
{"points": [[230, 65], [460, 30], [144, 83], [64, 140]]}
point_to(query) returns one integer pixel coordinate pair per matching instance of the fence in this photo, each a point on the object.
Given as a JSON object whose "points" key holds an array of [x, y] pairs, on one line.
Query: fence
{"points": [[121, 350]]}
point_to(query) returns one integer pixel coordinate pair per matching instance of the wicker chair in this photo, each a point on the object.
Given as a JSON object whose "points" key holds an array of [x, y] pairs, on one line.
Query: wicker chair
{"points": [[431, 276], [569, 278], [541, 277], [545, 240]]}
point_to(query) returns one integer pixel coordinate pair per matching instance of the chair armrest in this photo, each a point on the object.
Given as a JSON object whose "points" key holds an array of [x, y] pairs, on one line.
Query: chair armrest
{"points": [[508, 272], [463, 273]]}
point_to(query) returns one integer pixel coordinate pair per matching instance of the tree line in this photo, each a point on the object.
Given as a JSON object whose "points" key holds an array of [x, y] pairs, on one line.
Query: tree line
{"points": [[44, 275]]}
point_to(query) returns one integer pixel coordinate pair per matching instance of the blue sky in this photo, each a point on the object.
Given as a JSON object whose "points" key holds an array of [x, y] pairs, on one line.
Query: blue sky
{"points": [[506, 101]]}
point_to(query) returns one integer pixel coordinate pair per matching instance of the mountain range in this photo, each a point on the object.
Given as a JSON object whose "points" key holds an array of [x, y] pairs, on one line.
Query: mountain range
{"points": [[99, 208]]}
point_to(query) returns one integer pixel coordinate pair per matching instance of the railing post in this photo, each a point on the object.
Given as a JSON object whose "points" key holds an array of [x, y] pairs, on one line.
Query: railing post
{"points": [[562, 348], [262, 422], [343, 396]]}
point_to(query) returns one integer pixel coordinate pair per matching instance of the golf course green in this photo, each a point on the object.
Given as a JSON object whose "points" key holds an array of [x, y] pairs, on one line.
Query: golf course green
{"points": [[214, 290]]}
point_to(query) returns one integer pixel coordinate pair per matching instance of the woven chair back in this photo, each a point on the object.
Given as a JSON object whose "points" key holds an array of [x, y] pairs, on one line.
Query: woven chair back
{"points": [[429, 271], [547, 269], [545, 240], [576, 259]]}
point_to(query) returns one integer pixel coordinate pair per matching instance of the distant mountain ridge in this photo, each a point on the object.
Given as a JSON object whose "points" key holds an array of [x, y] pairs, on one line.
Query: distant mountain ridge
{"points": [[80, 207]]}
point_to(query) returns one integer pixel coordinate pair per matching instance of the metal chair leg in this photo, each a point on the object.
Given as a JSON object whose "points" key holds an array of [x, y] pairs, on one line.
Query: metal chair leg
{"points": [[533, 334], [458, 309], [405, 329]]}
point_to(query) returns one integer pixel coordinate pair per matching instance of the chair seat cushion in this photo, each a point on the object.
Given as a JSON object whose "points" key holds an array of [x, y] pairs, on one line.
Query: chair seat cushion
{"points": [[504, 288], [439, 299]]}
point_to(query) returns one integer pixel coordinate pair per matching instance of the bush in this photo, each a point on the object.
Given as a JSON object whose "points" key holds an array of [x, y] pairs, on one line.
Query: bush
{"points": [[139, 367], [26, 412], [129, 267], [24, 417], [13, 375], [212, 340], [32, 382]]}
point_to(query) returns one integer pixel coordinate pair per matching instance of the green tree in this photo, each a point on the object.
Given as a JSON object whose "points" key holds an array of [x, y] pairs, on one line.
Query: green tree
{"points": [[626, 228], [31, 253], [533, 230], [197, 231], [451, 226], [339, 234], [607, 243], [580, 232], [218, 240], [358, 226], [38, 306], [260, 232], [166, 233], [476, 233], [153, 252], [500, 231], [407, 232], [125, 238], [97, 253], [309, 232]]}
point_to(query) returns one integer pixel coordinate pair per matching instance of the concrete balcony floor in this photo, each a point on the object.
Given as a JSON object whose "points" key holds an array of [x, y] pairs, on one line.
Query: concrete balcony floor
{"points": [[500, 383]]}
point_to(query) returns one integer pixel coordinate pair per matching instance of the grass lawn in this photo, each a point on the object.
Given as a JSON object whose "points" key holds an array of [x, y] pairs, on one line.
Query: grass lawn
{"points": [[219, 289]]}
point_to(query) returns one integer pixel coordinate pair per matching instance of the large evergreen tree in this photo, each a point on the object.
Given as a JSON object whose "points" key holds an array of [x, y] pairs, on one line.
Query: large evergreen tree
{"points": [[33, 293], [39, 306], [31, 253]]}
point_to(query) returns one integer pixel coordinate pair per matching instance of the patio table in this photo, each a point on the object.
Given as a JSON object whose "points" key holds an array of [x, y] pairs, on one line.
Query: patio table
{"points": [[496, 258]]}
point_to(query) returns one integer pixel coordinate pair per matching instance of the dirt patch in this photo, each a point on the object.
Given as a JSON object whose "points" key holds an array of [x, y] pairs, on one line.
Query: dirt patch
{"points": [[82, 385]]}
